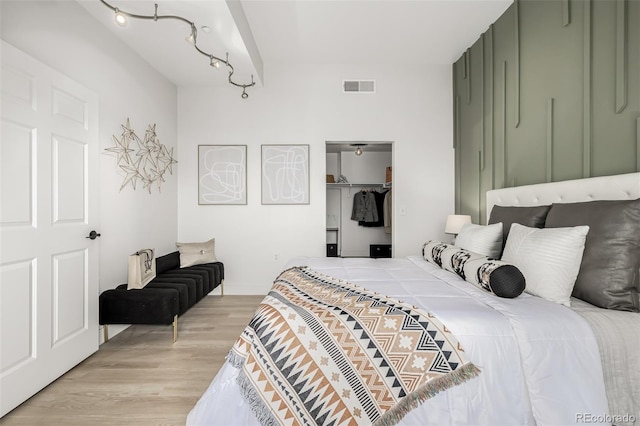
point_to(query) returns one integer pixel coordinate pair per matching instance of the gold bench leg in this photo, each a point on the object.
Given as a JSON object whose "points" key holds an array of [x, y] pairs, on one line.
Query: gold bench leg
{"points": [[175, 328], [105, 331]]}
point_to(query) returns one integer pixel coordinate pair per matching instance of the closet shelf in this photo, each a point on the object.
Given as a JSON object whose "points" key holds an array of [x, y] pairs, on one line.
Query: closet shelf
{"points": [[351, 185]]}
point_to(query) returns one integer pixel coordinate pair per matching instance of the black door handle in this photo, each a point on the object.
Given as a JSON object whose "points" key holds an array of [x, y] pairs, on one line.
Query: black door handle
{"points": [[93, 235]]}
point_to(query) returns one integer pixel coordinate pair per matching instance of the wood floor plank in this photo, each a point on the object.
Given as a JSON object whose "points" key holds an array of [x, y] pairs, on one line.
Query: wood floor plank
{"points": [[140, 377]]}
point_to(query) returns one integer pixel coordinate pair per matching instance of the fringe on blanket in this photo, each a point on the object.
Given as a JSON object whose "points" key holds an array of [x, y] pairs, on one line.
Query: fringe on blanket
{"points": [[234, 359], [429, 390], [253, 398], [390, 418]]}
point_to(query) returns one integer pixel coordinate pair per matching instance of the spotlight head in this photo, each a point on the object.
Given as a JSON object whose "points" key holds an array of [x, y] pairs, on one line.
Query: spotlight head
{"points": [[120, 18], [191, 39]]}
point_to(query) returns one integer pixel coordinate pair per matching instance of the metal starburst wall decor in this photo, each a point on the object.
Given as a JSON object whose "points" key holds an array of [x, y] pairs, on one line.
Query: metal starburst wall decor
{"points": [[145, 161]]}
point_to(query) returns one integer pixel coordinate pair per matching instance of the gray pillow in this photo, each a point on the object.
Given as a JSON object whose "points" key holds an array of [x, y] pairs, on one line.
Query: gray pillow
{"points": [[533, 217], [610, 268]]}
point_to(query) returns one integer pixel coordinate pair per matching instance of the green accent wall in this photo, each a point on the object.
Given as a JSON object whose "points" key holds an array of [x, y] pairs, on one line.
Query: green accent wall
{"points": [[550, 92]]}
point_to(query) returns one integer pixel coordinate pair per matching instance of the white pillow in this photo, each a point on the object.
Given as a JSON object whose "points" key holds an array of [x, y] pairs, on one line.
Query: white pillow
{"points": [[549, 259], [486, 240], [197, 253]]}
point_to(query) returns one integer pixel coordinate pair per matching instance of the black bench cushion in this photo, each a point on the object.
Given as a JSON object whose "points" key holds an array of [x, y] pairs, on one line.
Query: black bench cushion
{"points": [[220, 267], [167, 262], [139, 306], [183, 293], [200, 277], [190, 283], [212, 272], [171, 263]]}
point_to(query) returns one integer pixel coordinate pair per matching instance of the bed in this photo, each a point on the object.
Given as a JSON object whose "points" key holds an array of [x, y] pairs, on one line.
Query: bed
{"points": [[529, 360]]}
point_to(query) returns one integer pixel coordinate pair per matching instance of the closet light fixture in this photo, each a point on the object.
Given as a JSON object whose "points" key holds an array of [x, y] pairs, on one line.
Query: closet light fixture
{"points": [[121, 19], [359, 146]]}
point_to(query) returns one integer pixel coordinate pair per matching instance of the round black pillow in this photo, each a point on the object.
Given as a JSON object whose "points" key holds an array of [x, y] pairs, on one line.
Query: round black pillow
{"points": [[507, 281]]}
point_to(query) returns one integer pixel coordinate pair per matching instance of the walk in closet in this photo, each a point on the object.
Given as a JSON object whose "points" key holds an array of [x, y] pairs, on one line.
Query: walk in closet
{"points": [[359, 199]]}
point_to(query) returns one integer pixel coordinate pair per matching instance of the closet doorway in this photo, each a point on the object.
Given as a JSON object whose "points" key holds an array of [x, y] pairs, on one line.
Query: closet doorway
{"points": [[359, 198]]}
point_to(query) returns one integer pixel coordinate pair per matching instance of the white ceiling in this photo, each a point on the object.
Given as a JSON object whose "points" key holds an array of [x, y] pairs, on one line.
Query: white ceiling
{"points": [[299, 31], [369, 31]]}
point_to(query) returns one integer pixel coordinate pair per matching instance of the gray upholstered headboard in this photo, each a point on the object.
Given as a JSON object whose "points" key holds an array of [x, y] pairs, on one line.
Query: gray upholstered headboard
{"points": [[617, 187]]}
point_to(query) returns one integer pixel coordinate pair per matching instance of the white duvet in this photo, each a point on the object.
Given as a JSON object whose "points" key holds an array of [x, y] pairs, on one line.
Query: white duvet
{"points": [[539, 360]]}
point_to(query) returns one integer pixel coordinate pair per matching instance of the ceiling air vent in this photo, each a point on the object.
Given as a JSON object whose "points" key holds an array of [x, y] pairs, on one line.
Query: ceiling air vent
{"points": [[359, 86]]}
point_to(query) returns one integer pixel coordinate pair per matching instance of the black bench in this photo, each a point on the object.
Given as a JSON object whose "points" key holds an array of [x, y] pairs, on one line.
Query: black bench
{"points": [[170, 294]]}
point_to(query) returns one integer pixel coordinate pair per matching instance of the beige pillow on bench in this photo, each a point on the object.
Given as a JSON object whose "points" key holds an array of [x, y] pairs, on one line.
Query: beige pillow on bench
{"points": [[197, 253]]}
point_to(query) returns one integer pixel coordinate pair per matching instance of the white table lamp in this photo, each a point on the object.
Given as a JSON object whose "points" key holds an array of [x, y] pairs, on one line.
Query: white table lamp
{"points": [[455, 222]]}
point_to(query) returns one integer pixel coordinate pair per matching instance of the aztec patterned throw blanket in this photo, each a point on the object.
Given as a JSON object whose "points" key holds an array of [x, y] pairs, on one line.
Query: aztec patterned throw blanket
{"points": [[323, 351]]}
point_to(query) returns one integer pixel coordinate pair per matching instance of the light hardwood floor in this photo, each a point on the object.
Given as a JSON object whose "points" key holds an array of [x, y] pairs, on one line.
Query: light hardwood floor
{"points": [[140, 377]]}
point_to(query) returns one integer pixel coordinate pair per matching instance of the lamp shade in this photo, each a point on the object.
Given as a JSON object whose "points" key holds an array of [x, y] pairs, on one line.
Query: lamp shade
{"points": [[455, 222]]}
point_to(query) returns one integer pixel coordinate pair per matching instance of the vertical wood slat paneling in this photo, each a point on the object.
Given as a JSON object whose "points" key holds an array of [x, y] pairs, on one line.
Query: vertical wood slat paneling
{"points": [[482, 134], [505, 51], [586, 84], [456, 139], [480, 192], [457, 157], [638, 144], [467, 73], [621, 55], [457, 128], [456, 117], [516, 32], [491, 99], [457, 143], [566, 12], [482, 96], [549, 158], [464, 65], [504, 125]]}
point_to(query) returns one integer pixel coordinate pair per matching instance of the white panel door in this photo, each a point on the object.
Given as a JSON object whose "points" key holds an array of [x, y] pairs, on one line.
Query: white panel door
{"points": [[48, 205]]}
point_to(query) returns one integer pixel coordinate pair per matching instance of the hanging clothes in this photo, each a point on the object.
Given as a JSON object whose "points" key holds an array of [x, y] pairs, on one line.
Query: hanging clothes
{"points": [[379, 196], [387, 212], [364, 207]]}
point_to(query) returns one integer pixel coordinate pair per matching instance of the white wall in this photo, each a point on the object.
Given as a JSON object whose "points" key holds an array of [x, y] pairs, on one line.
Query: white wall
{"points": [[368, 167], [304, 104], [64, 36]]}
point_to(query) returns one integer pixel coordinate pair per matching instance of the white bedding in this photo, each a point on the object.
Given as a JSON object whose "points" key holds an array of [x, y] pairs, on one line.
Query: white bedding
{"points": [[539, 360], [618, 337]]}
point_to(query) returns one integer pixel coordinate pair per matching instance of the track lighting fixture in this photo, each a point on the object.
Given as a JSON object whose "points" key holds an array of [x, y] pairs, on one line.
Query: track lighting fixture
{"points": [[121, 19], [191, 38]]}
